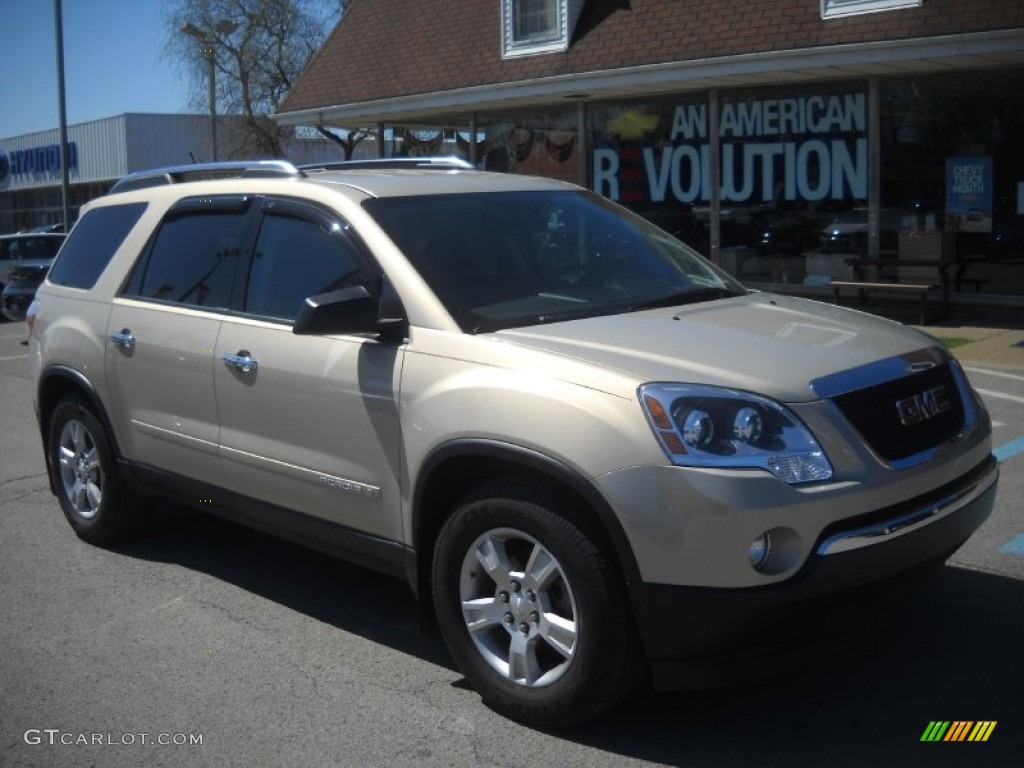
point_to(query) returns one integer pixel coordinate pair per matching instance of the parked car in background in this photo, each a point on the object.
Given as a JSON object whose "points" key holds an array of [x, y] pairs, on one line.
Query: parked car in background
{"points": [[35, 246], [20, 288], [44, 228]]}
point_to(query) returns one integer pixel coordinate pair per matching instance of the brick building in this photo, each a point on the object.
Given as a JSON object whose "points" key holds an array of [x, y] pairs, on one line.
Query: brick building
{"points": [[782, 137]]}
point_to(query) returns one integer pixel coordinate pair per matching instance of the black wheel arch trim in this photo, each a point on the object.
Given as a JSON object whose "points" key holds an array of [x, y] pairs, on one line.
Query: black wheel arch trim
{"points": [[81, 385], [531, 459]]}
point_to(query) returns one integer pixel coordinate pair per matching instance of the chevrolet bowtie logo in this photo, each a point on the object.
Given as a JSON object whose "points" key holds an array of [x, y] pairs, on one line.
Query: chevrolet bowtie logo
{"points": [[923, 406]]}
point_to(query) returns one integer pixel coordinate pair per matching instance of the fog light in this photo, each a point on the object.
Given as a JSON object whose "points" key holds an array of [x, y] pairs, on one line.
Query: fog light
{"points": [[760, 550]]}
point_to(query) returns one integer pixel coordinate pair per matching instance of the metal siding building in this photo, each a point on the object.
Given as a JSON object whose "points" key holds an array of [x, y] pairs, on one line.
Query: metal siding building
{"points": [[104, 150]]}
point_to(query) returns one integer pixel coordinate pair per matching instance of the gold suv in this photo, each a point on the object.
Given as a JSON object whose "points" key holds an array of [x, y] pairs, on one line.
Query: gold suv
{"points": [[593, 455]]}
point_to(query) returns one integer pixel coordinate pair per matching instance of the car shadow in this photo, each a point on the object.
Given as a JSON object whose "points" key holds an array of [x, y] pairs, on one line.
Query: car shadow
{"points": [[375, 606], [954, 652]]}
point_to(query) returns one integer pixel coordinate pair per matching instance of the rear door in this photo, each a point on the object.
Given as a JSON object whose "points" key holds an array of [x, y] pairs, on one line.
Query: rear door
{"points": [[308, 423], [162, 334]]}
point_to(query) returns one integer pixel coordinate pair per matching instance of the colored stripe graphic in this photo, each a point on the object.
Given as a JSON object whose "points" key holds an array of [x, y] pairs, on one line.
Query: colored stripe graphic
{"points": [[935, 730], [982, 730], [958, 730]]}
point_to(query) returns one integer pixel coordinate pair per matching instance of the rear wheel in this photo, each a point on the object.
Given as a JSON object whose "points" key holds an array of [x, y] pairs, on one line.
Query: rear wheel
{"points": [[533, 612], [89, 488]]}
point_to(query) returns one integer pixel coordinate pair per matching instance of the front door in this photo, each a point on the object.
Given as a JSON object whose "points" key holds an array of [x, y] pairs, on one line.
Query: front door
{"points": [[308, 423]]}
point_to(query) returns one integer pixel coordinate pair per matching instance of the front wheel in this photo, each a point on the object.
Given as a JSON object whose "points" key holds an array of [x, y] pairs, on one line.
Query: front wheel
{"points": [[533, 612], [90, 491]]}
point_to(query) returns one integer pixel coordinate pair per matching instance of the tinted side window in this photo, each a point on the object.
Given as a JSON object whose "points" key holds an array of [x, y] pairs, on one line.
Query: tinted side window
{"points": [[295, 258], [92, 243], [39, 248], [192, 259], [30, 248]]}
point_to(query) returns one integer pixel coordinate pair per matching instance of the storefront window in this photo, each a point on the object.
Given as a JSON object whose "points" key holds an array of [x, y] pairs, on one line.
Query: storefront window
{"points": [[538, 143], [793, 167], [953, 177], [652, 157], [794, 170], [427, 141]]}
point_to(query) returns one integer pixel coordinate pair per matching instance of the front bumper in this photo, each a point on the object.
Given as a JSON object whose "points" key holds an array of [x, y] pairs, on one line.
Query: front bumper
{"points": [[700, 636]]}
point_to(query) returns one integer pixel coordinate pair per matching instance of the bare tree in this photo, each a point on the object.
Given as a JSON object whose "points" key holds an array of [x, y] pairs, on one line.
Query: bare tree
{"points": [[257, 49], [348, 142]]}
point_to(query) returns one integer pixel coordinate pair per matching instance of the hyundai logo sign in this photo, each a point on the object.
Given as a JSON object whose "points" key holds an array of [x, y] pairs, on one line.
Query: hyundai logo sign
{"points": [[35, 160]]}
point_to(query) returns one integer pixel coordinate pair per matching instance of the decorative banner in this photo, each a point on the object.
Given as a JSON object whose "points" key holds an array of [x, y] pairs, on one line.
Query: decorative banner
{"points": [[463, 145], [969, 194], [523, 146], [560, 153], [429, 146], [514, 146]]}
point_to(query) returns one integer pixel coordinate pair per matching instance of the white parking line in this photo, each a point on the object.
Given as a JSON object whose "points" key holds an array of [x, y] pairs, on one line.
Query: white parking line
{"points": [[21, 335], [999, 395], [16, 357], [987, 372]]}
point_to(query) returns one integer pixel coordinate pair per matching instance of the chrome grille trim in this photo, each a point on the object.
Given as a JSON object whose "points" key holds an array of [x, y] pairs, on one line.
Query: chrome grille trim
{"points": [[909, 522]]}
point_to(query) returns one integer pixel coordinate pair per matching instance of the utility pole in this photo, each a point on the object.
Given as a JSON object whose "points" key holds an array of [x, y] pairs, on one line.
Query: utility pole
{"points": [[65, 154], [207, 39]]}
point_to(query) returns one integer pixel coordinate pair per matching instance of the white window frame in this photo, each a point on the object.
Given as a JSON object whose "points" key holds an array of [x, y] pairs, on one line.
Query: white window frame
{"points": [[511, 47], [837, 9]]}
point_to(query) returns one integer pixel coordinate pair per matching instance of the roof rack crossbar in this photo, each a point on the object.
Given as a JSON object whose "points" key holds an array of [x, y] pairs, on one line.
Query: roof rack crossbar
{"points": [[196, 171], [445, 163]]}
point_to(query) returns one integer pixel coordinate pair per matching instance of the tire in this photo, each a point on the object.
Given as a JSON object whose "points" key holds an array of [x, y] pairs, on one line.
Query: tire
{"points": [[91, 492], [533, 612]]}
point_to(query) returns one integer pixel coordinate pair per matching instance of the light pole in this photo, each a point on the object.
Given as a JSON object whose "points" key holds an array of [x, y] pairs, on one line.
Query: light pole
{"points": [[65, 172], [207, 39]]}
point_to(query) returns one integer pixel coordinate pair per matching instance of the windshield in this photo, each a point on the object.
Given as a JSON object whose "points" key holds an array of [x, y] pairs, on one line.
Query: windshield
{"points": [[506, 259]]}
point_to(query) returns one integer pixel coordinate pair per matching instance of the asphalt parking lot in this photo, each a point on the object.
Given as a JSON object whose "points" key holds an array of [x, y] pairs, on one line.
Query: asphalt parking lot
{"points": [[268, 654]]}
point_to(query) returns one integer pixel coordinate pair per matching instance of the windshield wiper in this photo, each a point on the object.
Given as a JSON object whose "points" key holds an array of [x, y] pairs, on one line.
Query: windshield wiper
{"points": [[489, 325], [544, 318], [684, 297]]}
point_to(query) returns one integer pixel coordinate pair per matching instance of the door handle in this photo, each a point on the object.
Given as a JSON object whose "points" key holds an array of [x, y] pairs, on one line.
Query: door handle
{"points": [[123, 339], [242, 362]]}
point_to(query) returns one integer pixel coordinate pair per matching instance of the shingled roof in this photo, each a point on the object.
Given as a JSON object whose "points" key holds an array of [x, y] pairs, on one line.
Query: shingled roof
{"points": [[384, 52]]}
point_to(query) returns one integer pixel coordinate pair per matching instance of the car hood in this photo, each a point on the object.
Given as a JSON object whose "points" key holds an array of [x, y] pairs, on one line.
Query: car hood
{"points": [[774, 345]]}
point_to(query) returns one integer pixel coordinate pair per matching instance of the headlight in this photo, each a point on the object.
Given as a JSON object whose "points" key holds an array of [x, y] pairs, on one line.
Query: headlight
{"points": [[702, 426]]}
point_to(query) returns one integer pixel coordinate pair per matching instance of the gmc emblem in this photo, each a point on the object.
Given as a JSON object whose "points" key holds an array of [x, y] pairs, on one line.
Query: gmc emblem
{"points": [[926, 405]]}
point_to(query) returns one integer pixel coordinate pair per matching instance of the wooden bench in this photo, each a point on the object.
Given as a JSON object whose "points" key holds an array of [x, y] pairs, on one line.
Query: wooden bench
{"points": [[863, 288]]}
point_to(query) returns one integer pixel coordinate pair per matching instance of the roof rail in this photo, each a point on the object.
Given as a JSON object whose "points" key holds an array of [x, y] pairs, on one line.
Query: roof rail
{"points": [[448, 163], [198, 171]]}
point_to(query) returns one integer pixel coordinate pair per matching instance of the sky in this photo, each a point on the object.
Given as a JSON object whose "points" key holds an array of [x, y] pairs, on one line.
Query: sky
{"points": [[113, 63]]}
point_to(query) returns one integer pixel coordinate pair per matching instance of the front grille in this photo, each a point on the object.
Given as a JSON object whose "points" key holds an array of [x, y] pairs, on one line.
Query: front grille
{"points": [[907, 416]]}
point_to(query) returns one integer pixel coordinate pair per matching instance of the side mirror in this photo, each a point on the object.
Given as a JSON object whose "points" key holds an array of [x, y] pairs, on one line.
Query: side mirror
{"points": [[349, 311]]}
